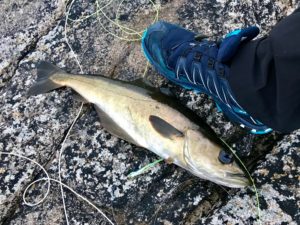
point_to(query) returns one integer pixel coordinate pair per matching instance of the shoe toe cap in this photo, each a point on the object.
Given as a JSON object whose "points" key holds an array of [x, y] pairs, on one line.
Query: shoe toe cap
{"points": [[166, 34]]}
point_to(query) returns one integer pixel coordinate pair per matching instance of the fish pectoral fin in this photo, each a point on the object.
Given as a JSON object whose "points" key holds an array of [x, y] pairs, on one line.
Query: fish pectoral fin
{"points": [[113, 128], [164, 128]]}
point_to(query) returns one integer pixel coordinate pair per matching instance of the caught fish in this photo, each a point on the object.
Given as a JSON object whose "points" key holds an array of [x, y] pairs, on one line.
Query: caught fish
{"points": [[143, 116]]}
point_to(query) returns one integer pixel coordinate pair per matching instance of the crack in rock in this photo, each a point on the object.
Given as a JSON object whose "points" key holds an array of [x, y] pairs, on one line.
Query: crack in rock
{"points": [[22, 31]]}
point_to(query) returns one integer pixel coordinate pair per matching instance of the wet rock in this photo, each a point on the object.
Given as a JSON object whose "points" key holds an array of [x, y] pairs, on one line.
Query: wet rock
{"points": [[96, 164]]}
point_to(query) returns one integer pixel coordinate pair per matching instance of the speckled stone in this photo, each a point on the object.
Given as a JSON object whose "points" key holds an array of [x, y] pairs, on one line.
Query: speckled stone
{"points": [[278, 181], [95, 163], [23, 23]]}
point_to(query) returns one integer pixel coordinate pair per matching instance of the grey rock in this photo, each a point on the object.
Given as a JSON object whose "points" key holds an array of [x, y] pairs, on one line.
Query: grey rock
{"points": [[95, 163], [22, 25], [277, 179]]}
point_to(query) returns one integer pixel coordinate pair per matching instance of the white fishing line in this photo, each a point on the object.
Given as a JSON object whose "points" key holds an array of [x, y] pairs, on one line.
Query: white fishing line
{"points": [[66, 36], [48, 180], [59, 161], [62, 145], [74, 121]]}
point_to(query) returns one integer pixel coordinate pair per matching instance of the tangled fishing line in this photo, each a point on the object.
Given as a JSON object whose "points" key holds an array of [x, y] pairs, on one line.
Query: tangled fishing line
{"points": [[130, 35]]}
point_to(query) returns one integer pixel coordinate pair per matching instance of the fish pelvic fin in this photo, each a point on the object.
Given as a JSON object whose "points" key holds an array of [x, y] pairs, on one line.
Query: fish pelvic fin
{"points": [[45, 71]]}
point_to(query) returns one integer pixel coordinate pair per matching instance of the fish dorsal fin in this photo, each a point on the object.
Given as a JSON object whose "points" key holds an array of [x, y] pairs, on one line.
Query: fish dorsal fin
{"points": [[112, 127], [164, 128], [166, 91], [143, 83]]}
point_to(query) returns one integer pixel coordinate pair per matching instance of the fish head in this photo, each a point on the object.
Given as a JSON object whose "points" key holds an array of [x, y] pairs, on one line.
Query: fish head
{"points": [[208, 160]]}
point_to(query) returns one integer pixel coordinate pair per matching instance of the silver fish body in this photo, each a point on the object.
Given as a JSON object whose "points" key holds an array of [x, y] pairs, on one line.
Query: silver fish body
{"points": [[148, 119]]}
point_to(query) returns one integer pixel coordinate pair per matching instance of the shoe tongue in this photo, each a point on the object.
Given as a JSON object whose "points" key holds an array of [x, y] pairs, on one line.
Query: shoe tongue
{"points": [[176, 53], [232, 41], [176, 37]]}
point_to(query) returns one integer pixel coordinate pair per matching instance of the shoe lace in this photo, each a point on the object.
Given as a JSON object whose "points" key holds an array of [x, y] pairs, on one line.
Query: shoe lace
{"points": [[197, 70], [200, 75]]}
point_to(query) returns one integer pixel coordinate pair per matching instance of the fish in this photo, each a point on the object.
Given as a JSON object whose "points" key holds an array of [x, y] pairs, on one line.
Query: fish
{"points": [[142, 115]]}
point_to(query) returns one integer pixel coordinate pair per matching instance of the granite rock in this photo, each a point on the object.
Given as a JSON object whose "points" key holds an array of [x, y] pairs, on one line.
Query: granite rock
{"points": [[95, 163], [22, 25], [278, 182]]}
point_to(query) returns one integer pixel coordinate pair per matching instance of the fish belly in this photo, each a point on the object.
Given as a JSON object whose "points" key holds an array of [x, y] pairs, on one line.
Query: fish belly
{"points": [[131, 111]]}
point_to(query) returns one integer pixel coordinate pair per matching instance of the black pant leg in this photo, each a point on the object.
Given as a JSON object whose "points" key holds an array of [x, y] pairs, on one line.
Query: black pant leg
{"points": [[265, 76]]}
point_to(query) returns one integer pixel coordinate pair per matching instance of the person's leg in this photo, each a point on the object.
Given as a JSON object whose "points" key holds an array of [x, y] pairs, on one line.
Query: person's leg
{"points": [[297, 10], [265, 76]]}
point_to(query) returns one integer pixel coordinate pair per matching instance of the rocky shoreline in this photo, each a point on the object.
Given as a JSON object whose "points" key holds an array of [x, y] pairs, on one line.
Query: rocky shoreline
{"points": [[95, 163]]}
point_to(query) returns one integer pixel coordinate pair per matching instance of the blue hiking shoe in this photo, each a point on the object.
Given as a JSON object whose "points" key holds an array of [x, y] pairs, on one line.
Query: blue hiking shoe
{"points": [[198, 64]]}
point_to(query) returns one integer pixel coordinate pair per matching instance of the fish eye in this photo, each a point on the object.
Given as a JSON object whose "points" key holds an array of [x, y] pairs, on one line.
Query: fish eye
{"points": [[225, 157]]}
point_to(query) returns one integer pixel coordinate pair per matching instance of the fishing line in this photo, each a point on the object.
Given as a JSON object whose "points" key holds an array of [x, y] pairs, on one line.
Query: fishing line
{"points": [[59, 160], [100, 11], [62, 145], [66, 36], [48, 180], [108, 31], [144, 169], [251, 179], [129, 31], [116, 23], [146, 70], [156, 7]]}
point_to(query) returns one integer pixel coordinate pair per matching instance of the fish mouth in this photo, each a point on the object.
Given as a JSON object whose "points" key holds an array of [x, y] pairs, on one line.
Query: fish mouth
{"points": [[237, 180], [229, 179], [237, 175]]}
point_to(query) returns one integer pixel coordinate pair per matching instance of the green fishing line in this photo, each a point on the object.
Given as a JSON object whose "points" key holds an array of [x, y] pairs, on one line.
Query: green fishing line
{"points": [[144, 169], [251, 179], [133, 34]]}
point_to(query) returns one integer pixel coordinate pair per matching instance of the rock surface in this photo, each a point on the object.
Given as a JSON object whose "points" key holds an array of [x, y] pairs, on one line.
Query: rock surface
{"points": [[22, 25], [278, 181], [95, 163]]}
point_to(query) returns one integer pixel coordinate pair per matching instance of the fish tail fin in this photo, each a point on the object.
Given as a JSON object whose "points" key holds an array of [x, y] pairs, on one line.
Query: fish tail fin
{"points": [[44, 83]]}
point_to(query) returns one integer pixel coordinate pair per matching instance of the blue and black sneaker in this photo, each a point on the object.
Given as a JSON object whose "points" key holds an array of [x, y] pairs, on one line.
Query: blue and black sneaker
{"points": [[193, 62]]}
